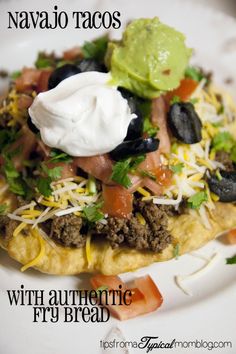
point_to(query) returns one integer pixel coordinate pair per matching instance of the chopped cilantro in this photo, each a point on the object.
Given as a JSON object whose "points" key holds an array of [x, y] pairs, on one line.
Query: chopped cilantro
{"points": [[175, 99], [231, 260], [15, 75], [9, 168], [148, 127], [101, 288], [53, 173], [59, 156], [120, 173], [218, 175], [223, 141], [44, 186], [176, 251], [221, 110], [96, 49], [145, 173], [194, 73], [233, 154], [17, 186], [194, 100], [121, 169], [7, 137], [92, 212], [44, 61], [3, 208], [177, 168], [197, 199]]}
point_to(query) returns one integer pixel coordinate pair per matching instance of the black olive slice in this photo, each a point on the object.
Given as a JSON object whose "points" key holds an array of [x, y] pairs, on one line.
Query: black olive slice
{"points": [[61, 74], [185, 123], [225, 187], [31, 126], [135, 129], [91, 65], [134, 147]]}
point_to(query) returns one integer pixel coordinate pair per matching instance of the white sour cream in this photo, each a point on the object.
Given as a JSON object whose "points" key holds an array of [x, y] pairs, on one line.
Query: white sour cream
{"points": [[83, 115]]}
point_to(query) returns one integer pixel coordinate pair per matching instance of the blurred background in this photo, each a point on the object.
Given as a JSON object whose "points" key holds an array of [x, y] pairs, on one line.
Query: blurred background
{"points": [[227, 6]]}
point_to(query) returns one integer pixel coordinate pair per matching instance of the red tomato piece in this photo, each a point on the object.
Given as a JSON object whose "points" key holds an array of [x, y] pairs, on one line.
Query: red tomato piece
{"points": [[118, 201], [184, 91], [99, 166], [231, 237], [42, 85], [145, 296]]}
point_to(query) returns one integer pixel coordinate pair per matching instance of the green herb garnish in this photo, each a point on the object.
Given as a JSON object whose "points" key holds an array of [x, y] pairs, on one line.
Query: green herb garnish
{"points": [[197, 199], [15, 75], [177, 168], [59, 156], [3, 208], [148, 174], [121, 169], [175, 99], [223, 141], [176, 251], [101, 288], [96, 49], [194, 100], [92, 212], [53, 173], [194, 73], [145, 108], [43, 61], [231, 260], [44, 186]]}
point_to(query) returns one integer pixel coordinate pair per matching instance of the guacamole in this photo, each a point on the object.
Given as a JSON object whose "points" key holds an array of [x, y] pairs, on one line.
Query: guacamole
{"points": [[150, 59]]}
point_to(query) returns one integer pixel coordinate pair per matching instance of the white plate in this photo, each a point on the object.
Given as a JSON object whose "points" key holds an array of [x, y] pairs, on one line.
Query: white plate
{"points": [[208, 315]]}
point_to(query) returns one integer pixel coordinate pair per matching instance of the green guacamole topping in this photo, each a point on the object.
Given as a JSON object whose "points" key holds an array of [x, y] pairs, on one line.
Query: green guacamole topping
{"points": [[150, 59]]}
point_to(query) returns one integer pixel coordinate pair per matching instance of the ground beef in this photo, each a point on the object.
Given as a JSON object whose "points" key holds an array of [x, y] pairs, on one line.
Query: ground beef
{"points": [[67, 230], [152, 236], [7, 227], [224, 158]]}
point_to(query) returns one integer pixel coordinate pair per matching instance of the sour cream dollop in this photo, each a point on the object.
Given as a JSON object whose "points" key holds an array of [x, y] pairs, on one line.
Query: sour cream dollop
{"points": [[83, 116]]}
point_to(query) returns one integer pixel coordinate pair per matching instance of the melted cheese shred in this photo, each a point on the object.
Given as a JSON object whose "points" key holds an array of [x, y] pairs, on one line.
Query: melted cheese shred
{"points": [[36, 260], [209, 263], [88, 250]]}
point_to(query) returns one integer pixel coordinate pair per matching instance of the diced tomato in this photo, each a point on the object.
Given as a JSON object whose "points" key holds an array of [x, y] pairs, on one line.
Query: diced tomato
{"points": [[28, 80], [117, 201], [145, 296], [164, 175], [153, 297], [42, 85], [151, 162], [231, 237], [67, 169], [72, 53], [153, 186], [99, 166], [159, 119], [184, 91]]}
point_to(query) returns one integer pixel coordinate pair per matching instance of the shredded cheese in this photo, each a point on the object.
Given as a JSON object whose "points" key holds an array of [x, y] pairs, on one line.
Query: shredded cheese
{"points": [[36, 260], [209, 263], [88, 250], [19, 228]]}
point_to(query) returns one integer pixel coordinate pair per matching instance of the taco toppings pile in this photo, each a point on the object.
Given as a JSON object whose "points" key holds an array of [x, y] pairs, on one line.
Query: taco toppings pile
{"points": [[115, 155]]}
